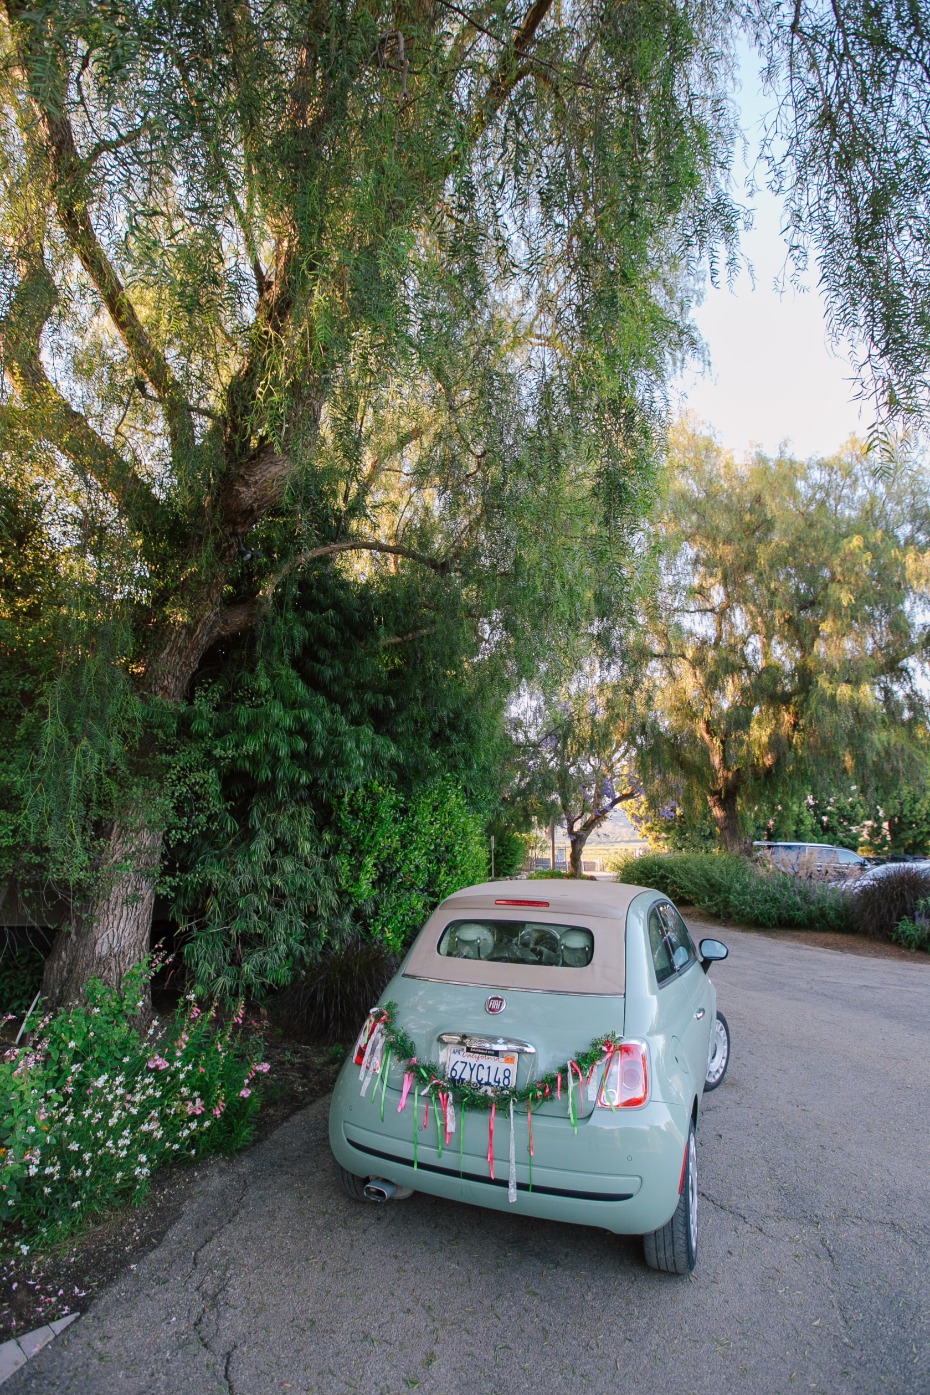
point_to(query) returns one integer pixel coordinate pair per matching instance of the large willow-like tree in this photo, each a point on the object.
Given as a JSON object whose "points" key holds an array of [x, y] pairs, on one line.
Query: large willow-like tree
{"points": [[295, 283]]}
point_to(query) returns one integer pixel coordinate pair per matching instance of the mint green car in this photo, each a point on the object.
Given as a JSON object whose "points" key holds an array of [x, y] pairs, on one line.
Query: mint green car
{"points": [[543, 1048]]}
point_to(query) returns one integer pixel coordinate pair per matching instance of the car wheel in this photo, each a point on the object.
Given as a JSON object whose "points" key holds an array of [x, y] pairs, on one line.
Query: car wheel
{"points": [[673, 1249], [719, 1057], [354, 1187]]}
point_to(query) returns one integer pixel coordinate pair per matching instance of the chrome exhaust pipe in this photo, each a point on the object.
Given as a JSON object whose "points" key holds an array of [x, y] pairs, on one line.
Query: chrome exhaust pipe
{"points": [[379, 1189]]}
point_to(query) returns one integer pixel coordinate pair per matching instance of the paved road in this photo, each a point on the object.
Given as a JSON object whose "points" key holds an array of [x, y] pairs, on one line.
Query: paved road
{"points": [[814, 1273]]}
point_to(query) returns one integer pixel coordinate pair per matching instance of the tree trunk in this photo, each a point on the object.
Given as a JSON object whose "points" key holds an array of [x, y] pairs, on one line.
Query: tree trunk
{"points": [[112, 935], [576, 842], [723, 807]]}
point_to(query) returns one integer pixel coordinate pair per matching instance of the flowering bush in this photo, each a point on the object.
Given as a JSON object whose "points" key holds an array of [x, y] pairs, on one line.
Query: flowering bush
{"points": [[91, 1107], [913, 931]]}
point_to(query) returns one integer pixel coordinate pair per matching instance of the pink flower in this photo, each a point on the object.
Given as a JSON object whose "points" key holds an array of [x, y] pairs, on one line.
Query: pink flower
{"points": [[245, 1092], [218, 1110], [158, 1063], [197, 1107], [263, 1066]]}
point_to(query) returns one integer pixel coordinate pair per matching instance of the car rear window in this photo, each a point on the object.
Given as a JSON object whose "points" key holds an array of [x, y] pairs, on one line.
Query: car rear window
{"points": [[518, 942]]}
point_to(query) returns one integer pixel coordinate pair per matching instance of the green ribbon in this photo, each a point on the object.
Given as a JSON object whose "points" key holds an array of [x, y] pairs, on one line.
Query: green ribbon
{"points": [[385, 1067], [571, 1103]]}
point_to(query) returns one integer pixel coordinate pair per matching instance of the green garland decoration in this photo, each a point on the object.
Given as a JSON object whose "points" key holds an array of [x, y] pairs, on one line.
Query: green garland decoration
{"points": [[398, 1045]]}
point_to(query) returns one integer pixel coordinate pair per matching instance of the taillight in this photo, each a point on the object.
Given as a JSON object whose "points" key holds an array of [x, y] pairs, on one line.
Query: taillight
{"points": [[626, 1080]]}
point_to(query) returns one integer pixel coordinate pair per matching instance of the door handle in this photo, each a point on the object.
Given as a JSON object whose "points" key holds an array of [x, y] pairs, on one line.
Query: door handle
{"points": [[700, 1013]]}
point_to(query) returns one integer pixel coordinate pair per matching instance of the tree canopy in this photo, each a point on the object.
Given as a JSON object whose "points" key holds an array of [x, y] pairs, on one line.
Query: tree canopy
{"points": [[788, 636], [301, 283]]}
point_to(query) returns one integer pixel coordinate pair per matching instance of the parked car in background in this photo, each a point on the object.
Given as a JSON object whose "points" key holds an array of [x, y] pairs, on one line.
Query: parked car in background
{"points": [[822, 859], [545, 1047], [883, 870]]}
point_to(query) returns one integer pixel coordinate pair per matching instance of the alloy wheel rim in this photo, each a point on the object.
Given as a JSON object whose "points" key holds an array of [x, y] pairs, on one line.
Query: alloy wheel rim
{"points": [[718, 1055], [692, 1193]]}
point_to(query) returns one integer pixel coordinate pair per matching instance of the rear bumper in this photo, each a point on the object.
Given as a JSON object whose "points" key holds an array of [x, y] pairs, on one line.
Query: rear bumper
{"points": [[620, 1172]]}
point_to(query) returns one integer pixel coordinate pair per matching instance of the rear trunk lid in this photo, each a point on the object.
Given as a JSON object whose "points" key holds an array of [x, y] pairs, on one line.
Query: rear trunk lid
{"points": [[531, 1036]]}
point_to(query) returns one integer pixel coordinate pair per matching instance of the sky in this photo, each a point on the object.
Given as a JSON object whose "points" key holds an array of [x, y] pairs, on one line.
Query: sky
{"points": [[772, 376]]}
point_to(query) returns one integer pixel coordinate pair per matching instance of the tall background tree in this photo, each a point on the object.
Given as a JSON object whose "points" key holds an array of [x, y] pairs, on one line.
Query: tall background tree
{"points": [[576, 756], [788, 641]]}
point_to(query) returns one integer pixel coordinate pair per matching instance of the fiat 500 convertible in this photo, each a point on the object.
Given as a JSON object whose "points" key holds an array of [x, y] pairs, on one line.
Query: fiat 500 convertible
{"points": [[543, 1047]]}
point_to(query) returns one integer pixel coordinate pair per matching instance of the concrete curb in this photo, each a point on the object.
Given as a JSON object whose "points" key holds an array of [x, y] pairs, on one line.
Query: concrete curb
{"points": [[17, 1352]]}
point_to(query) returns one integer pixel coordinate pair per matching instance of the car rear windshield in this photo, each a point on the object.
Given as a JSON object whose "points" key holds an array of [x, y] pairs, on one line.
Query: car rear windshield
{"points": [[518, 942]]}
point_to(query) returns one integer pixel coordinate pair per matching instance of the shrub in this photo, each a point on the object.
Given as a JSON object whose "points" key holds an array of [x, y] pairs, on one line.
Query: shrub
{"points": [[91, 1107], [914, 933], [732, 887], [399, 856], [881, 904], [554, 874], [332, 997]]}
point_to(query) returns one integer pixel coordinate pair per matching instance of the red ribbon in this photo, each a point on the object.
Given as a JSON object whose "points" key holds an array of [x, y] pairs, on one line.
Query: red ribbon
{"points": [[491, 1140], [444, 1106]]}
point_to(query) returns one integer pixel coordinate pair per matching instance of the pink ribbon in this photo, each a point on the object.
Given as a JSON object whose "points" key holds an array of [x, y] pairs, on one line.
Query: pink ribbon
{"points": [[529, 1125], [408, 1081], [558, 1085], [491, 1141]]}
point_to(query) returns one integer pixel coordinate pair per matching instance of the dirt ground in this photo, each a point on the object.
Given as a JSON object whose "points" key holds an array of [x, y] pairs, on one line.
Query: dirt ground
{"points": [[36, 1290]]}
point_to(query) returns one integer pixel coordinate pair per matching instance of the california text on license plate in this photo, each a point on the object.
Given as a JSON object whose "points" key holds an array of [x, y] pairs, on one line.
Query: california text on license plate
{"points": [[484, 1070]]}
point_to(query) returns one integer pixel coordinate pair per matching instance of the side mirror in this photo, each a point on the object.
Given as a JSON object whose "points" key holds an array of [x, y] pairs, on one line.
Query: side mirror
{"points": [[711, 952]]}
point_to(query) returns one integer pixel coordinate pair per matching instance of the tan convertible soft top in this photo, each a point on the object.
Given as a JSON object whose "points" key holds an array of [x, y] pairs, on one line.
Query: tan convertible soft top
{"points": [[600, 907]]}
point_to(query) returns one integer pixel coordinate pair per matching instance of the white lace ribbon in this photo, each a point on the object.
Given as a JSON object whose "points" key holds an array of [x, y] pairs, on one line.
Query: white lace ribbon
{"points": [[371, 1062]]}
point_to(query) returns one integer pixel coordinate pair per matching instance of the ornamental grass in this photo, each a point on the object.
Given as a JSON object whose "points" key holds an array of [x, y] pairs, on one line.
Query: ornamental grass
{"points": [[92, 1106]]}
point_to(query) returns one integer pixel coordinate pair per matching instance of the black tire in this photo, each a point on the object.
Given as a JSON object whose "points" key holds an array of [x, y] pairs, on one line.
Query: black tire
{"points": [[354, 1187], [719, 1057], [673, 1249]]}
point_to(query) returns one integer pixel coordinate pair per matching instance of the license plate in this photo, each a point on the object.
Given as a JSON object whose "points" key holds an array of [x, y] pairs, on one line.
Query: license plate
{"points": [[483, 1070]]}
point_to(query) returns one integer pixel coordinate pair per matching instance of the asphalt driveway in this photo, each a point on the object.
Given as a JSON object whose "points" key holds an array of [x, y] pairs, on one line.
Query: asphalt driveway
{"points": [[814, 1271]]}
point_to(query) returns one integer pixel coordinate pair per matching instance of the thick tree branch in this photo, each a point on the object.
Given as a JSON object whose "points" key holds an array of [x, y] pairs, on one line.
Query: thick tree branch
{"points": [[598, 815], [45, 414], [44, 77], [235, 619], [512, 68], [441, 565]]}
